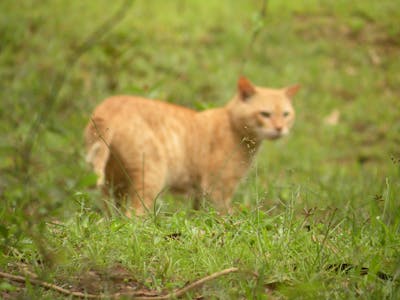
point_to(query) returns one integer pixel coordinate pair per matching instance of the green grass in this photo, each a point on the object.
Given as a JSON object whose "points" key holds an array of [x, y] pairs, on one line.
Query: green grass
{"points": [[325, 195]]}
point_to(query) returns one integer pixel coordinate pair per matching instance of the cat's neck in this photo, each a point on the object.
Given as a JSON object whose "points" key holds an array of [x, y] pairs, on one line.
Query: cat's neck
{"points": [[250, 145], [242, 133], [247, 143], [223, 128]]}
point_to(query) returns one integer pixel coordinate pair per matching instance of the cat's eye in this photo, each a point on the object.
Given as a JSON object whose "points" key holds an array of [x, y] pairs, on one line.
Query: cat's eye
{"points": [[286, 114], [265, 114]]}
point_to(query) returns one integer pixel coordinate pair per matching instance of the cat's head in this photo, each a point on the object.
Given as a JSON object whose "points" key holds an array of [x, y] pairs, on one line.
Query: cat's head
{"points": [[262, 113]]}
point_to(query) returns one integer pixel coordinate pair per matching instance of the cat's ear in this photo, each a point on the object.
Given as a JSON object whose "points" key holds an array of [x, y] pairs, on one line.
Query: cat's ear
{"points": [[292, 90], [245, 88]]}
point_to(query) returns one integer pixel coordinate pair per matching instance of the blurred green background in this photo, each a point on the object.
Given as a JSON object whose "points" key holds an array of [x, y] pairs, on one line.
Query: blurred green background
{"points": [[345, 56], [343, 152]]}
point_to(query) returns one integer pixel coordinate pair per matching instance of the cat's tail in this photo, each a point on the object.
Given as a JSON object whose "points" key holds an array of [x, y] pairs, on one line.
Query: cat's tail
{"points": [[98, 140]]}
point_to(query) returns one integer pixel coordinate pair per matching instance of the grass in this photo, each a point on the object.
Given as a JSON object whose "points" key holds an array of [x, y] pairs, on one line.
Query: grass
{"points": [[326, 195]]}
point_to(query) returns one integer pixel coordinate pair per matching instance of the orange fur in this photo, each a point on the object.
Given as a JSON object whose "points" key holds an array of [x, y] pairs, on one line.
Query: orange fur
{"points": [[138, 147]]}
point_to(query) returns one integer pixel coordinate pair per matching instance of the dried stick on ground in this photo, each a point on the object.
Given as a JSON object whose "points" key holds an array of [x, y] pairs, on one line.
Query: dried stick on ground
{"points": [[175, 294], [47, 285]]}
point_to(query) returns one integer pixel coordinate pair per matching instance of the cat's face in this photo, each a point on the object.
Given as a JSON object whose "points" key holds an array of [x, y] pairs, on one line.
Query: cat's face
{"points": [[263, 113]]}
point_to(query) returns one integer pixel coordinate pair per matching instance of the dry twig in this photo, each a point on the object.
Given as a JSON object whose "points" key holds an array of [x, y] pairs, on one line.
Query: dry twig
{"points": [[136, 295]]}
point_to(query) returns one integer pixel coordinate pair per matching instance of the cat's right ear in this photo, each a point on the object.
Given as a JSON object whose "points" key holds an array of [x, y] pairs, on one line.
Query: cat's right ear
{"points": [[291, 91], [245, 88]]}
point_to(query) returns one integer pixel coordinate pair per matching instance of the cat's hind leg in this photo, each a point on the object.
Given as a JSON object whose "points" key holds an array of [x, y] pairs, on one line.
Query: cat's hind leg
{"points": [[145, 189]]}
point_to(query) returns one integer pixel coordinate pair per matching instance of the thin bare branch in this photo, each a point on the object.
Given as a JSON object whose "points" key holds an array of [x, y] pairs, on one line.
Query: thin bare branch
{"points": [[136, 295]]}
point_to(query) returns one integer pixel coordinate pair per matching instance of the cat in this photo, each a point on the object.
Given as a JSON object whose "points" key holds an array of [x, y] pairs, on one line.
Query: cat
{"points": [[139, 147]]}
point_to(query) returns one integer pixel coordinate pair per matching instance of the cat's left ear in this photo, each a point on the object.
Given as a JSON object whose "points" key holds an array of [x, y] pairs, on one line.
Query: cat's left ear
{"points": [[245, 88], [292, 90]]}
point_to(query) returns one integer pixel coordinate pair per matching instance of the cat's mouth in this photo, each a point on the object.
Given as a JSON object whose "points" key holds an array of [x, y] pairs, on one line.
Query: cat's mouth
{"points": [[274, 135], [270, 134]]}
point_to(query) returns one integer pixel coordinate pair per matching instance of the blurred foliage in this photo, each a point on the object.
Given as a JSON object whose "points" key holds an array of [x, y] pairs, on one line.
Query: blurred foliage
{"points": [[344, 54]]}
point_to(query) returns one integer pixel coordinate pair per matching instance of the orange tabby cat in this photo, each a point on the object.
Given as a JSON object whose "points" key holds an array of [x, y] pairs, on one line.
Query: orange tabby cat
{"points": [[139, 147]]}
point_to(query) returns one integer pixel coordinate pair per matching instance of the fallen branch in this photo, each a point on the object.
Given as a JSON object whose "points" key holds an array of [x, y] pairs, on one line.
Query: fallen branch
{"points": [[180, 292], [47, 285], [136, 295]]}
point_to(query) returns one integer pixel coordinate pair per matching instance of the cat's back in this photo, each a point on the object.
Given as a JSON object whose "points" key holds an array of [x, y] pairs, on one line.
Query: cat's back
{"points": [[135, 121], [122, 108]]}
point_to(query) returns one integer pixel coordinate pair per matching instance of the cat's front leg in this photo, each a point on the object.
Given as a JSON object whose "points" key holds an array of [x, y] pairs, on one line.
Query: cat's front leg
{"points": [[219, 192], [221, 203], [220, 197]]}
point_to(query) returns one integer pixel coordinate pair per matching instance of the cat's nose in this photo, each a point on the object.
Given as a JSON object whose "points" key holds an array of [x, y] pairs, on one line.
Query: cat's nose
{"points": [[278, 128]]}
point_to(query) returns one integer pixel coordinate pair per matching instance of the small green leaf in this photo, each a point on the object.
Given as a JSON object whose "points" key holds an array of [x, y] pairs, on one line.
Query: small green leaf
{"points": [[5, 286], [4, 231], [87, 181]]}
